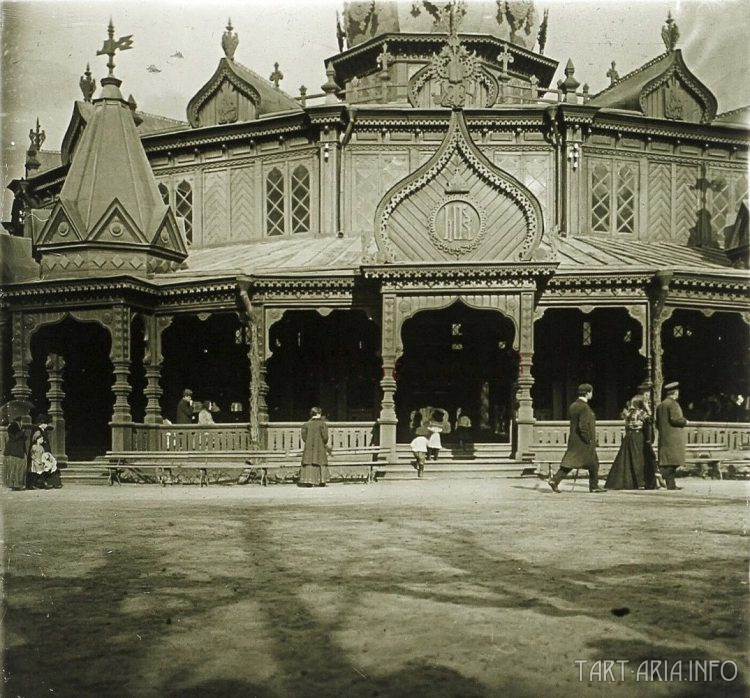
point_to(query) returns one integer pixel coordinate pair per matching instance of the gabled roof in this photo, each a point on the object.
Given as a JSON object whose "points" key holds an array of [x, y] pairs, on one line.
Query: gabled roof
{"points": [[266, 98], [632, 90]]}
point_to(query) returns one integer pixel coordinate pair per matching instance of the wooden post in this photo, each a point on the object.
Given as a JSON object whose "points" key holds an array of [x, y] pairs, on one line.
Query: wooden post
{"points": [[120, 357], [387, 420], [525, 420], [55, 365], [21, 358]]}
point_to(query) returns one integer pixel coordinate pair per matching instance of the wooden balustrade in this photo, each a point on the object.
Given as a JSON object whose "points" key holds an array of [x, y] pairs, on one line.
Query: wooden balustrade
{"points": [[731, 436], [285, 436]]}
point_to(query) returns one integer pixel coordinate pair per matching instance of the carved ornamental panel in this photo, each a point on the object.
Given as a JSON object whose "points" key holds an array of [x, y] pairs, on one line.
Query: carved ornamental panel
{"points": [[458, 206]]}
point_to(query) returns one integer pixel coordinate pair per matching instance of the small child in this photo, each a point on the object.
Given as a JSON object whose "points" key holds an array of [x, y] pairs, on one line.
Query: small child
{"points": [[419, 451]]}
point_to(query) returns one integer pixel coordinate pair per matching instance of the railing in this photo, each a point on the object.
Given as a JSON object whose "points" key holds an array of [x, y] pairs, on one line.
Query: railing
{"points": [[728, 435], [190, 438], [285, 436], [280, 436]]}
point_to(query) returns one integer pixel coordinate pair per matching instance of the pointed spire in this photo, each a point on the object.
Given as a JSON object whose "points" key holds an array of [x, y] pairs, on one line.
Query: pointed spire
{"points": [[330, 87], [542, 35], [87, 84], [670, 33], [229, 41], [570, 84], [37, 138]]}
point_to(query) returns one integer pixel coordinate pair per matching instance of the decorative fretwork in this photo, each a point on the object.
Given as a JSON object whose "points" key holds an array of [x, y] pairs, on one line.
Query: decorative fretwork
{"points": [[586, 334], [600, 193], [626, 183], [660, 201], [215, 210], [300, 200], [184, 207], [686, 204], [164, 191], [275, 202]]}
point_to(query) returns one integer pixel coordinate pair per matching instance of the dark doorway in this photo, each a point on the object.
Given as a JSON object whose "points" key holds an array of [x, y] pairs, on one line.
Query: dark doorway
{"points": [[209, 356], [459, 357], [331, 361], [87, 383]]}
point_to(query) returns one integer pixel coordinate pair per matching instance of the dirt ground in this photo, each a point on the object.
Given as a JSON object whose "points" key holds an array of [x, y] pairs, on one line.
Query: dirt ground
{"points": [[417, 588]]}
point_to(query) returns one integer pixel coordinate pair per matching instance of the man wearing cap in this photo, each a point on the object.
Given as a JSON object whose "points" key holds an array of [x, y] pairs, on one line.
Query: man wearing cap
{"points": [[670, 423], [581, 451], [184, 412]]}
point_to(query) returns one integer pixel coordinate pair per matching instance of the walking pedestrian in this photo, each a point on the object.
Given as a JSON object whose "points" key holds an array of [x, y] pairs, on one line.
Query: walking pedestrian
{"points": [[419, 451], [671, 423], [581, 450]]}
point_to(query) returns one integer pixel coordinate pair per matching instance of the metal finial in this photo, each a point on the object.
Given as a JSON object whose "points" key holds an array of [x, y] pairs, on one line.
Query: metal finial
{"points": [[330, 87], [37, 137], [87, 84], [229, 40], [670, 33], [276, 76], [111, 46], [612, 74]]}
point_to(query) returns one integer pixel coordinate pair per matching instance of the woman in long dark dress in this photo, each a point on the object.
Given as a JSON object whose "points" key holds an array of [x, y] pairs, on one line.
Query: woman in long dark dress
{"points": [[633, 467], [314, 471], [14, 457]]}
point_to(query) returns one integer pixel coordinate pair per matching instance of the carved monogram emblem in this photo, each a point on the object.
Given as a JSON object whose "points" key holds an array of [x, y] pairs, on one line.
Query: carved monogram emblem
{"points": [[457, 225]]}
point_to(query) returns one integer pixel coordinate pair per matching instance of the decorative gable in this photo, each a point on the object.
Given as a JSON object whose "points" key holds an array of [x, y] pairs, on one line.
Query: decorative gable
{"points": [[458, 206], [678, 95], [60, 228], [236, 93], [170, 234]]}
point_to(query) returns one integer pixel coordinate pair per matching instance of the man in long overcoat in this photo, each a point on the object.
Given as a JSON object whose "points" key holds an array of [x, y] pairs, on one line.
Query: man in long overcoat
{"points": [[581, 451], [184, 411], [671, 423]]}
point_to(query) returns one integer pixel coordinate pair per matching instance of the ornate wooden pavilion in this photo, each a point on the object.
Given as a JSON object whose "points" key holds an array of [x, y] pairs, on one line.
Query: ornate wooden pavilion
{"points": [[439, 227]]}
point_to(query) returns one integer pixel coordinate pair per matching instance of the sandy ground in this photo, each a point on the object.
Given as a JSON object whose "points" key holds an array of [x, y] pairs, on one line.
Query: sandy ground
{"points": [[417, 588]]}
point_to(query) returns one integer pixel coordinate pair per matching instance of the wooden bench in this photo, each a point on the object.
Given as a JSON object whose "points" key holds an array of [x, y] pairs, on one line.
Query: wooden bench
{"points": [[149, 466], [261, 462], [707, 457]]}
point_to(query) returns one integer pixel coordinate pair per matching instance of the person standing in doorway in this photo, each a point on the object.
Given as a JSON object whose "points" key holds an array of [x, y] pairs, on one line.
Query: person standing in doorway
{"points": [[184, 411], [671, 423], [581, 451], [434, 444], [314, 471]]}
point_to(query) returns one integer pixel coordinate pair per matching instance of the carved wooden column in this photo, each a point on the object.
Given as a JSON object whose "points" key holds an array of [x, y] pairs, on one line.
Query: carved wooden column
{"points": [[4, 329], [387, 419], [258, 409], [152, 362], [21, 355], [119, 323], [659, 314], [55, 365], [525, 420]]}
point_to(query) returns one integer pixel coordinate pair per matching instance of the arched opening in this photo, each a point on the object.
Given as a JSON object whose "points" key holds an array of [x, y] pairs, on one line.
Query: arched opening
{"points": [[459, 357], [572, 347], [87, 383], [709, 356], [209, 357], [330, 361]]}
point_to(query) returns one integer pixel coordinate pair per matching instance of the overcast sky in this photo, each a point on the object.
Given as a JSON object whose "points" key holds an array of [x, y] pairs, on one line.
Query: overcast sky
{"points": [[46, 46]]}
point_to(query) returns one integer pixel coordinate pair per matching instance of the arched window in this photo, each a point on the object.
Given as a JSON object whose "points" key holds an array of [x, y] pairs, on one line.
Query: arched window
{"points": [[275, 202], [300, 200], [164, 191], [184, 207]]}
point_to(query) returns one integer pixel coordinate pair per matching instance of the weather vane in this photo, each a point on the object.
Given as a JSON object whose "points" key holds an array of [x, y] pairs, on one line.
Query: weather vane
{"points": [[111, 46]]}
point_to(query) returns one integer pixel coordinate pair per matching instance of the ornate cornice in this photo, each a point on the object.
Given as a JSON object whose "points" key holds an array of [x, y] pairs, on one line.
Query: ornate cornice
{"points": [[66, 292], [431, 277], [286, 287]]}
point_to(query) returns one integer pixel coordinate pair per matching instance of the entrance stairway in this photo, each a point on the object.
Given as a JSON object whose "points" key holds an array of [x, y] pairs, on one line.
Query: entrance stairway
{"points": [[91, 472], [481, 460]]}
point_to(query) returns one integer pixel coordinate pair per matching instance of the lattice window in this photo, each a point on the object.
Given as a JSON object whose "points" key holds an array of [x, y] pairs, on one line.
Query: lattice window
{"points": [[586, 334], [300, 200], [184, 207], [600, 195], [625, 199], [678, 331], [628, 338], [164, 191], [275, 202], [456, 330]]}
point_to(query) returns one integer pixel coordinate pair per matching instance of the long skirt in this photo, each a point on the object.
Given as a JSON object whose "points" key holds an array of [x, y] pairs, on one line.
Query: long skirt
{"points": [[15, 472], [628, 469], [313, 475]]}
